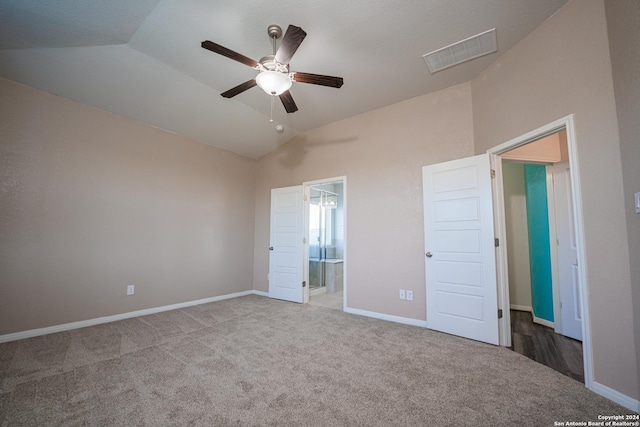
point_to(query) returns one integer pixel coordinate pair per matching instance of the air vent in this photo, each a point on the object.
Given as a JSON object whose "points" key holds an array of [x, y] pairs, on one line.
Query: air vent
{"points": [[462, 51]]}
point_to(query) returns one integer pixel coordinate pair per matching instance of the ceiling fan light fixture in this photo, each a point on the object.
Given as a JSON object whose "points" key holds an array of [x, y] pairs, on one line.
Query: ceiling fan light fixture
{"points": [[273, 82]]}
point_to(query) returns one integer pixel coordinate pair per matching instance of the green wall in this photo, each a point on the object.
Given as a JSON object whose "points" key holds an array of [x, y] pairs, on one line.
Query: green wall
{"points": [[535, 178]]}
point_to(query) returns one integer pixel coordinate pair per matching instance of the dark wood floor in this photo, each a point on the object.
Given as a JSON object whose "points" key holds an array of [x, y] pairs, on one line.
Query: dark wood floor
{"points": [[543, 345]]}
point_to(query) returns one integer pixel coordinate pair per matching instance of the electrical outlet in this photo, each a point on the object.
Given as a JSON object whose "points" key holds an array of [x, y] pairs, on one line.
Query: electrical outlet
{"points": [[131, 290], [409, 295], [402, 294]]}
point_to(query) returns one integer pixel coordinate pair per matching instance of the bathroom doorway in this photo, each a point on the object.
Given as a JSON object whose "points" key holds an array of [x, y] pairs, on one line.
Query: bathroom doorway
{"points": [[326, 237]]}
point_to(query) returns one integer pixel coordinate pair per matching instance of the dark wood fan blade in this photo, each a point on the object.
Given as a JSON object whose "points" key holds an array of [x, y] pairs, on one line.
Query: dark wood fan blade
{"points": [[221, 50], [239, 89], [287, 101], [290, 43], [318, 79]]}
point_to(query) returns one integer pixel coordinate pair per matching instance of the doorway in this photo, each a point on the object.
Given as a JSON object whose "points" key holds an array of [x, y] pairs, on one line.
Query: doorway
{"points": [[497, 155], [296, 222], [325, 251], [544, 294]]}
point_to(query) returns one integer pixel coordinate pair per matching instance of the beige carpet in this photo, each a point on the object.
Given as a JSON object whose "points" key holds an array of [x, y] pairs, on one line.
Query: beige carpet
{"points": [[253, 361]]}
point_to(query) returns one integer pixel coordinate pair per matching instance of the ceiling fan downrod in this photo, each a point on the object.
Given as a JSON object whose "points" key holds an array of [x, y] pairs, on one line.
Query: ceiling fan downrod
{"points": [[275, 32]]}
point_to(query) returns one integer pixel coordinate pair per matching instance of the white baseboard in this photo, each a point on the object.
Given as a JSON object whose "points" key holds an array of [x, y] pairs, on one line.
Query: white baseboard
{"points": [[382, 316], [99, 320], [520, 308], [616, 396], [261, 293], [543, 322]]}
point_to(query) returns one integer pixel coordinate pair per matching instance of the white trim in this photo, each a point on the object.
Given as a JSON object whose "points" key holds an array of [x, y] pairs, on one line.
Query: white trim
{"points": [[502, 268], [616, 396], [534, 135], [543, 322], [344, 245], [521, 308], [261, 293], [576, 193], [305, 247], [106, 319], [563, 123], [388, 317]]}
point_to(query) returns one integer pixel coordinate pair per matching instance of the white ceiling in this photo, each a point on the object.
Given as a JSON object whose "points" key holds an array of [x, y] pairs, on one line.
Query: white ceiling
{"points": [[142, 59]]}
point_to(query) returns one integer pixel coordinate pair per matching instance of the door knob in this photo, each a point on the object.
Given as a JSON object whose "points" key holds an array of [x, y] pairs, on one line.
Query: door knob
{"points": [[429, 254], [270, 248]]}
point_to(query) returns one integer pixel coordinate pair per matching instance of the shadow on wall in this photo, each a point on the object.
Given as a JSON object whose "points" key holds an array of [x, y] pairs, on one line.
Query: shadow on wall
{"points": [[294, 151]]}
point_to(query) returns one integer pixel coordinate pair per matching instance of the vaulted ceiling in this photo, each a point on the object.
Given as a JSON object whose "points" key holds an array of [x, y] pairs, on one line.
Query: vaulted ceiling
{"points": [[142, 59]]}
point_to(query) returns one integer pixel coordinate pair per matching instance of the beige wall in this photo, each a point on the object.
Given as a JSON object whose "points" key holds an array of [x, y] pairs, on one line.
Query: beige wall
{"points": [[381, 154], [515, 211], [563, 68], [90, 202], [623, 23]]}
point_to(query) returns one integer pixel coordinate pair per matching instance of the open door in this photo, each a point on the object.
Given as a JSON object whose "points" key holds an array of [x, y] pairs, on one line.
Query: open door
{"points": [[286, 244], [568, 273], [462, 296]]}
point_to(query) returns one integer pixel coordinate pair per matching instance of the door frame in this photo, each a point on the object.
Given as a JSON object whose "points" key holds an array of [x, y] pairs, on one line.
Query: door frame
{"points": [[566, 123], [305, 247]]}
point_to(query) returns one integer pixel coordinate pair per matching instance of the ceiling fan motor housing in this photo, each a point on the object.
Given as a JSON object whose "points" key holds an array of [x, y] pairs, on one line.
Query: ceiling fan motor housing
{"points": [[269, 63]]}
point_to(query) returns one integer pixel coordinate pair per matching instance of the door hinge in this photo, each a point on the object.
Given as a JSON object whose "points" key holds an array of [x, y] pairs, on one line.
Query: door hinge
{"points": [[496, 242], [493, 173], [304, 284], [499, 313], [304, 240], [305, 197]]}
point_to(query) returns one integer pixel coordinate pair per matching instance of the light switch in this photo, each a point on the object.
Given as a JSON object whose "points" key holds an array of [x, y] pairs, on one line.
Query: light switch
{"points": [[638, 202]]}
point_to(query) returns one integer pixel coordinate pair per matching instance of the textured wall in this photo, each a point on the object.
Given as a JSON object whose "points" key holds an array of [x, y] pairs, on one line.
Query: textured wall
{"points": [[90, 202], [623, 23], [563, 68], [381, 154]]}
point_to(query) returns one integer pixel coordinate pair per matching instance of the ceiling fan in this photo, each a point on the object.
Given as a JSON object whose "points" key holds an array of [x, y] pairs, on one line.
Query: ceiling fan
{"points": [[275, 78]]}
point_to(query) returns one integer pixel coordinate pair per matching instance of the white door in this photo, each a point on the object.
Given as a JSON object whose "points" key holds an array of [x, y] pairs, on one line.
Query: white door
{"points": [[460, 250], [568, 277], [286, 244]]}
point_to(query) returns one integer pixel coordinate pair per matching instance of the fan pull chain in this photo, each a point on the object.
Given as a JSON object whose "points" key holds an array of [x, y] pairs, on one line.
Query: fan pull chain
{"points": [[271, 116]]}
